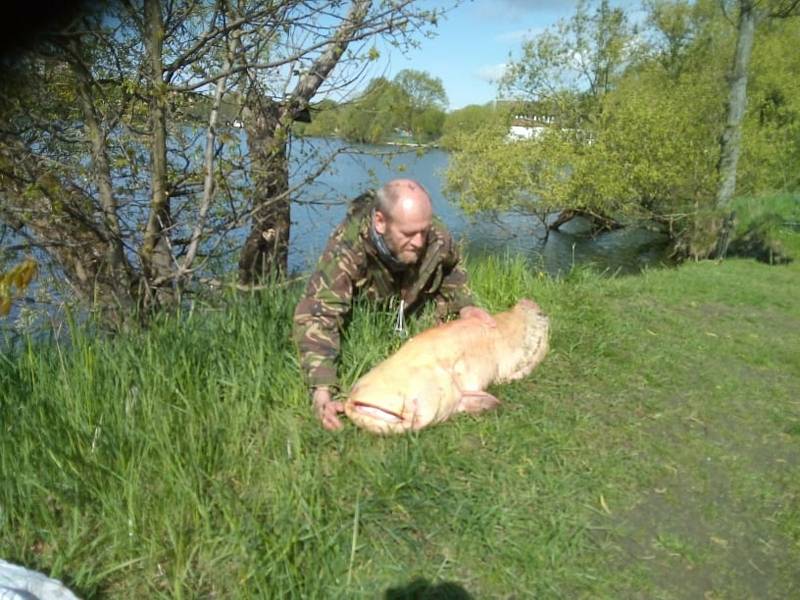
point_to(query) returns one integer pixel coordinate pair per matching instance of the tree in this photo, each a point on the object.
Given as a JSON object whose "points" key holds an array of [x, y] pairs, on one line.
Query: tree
{"points": [[636, 134], [269, 123], [427, 124], [55, 163], [468, 121], [564, 77], [750, 12], [423, 91], [578, 62], [424, 95], [325, 116], [771, 128], [113, 160], [374, 115], [411, 102]]}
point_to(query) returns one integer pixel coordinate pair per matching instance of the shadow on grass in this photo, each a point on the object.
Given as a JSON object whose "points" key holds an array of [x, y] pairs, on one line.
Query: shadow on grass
{"points": [[769, 252], [761, 241], [421, 589]]}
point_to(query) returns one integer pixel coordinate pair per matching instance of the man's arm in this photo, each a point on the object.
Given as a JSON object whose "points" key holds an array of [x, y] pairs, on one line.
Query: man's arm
{"points": [[319, 316], [453, 293], [318, 321]]}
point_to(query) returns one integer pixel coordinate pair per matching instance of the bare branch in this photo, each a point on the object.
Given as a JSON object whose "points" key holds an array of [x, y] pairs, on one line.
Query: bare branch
{"points": [[785, 9], [208, 164]]}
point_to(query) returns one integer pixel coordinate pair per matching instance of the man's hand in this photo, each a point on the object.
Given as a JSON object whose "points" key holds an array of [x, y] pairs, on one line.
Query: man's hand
{"points": [[479, 313], [327, 408]]}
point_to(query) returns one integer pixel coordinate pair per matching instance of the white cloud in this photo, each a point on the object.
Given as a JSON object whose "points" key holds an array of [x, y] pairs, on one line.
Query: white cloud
{"points": [[518, 36], [492, 73]]}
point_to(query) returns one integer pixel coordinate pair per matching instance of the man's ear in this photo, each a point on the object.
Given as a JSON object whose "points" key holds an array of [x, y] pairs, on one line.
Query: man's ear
{"points": [[379, 222]]}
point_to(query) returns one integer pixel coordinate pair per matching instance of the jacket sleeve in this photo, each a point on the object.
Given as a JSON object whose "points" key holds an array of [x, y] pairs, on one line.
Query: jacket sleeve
{"points": [[454, 292], [320, 314]]}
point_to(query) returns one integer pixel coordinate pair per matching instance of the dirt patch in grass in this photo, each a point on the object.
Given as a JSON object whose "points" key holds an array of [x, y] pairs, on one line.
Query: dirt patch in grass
{"points": [[714, 510], [710, 523]]}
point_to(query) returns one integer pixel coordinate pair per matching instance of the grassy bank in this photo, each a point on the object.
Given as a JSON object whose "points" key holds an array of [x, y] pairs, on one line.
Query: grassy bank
{"points": [[654, 454]]}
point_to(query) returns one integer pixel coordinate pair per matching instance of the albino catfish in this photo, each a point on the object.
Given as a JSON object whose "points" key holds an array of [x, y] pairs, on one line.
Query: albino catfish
{"points": [[446, 370]]}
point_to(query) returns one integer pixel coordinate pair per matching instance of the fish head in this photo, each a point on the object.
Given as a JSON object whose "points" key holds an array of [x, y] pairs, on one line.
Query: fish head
{"points": [[379, 408]]}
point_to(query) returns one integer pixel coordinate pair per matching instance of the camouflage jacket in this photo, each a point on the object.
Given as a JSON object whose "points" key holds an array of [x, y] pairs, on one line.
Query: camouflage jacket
{"points": [[350, 266]]}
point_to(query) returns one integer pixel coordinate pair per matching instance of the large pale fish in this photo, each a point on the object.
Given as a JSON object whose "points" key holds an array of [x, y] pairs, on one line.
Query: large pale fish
{"points": [[446, 370]]}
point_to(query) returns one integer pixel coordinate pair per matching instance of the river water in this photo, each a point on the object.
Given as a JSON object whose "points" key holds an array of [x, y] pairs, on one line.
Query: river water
{"points": [[321, 206]]}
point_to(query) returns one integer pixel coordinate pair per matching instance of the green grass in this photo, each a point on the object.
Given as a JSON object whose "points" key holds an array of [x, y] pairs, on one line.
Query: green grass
{"points": [[785, 207], [654, 454]]}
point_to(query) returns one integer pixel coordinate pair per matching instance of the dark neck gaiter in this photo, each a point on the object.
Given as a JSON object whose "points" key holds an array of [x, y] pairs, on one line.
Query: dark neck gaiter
{"points": [[394, 265]]}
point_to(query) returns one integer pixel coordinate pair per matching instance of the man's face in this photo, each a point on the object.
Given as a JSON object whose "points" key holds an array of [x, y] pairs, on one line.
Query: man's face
{"points": [[405, 230]]}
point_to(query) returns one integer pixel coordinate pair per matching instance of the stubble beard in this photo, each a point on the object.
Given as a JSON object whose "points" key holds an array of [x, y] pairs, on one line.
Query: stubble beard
{"points": [[410, 257]]}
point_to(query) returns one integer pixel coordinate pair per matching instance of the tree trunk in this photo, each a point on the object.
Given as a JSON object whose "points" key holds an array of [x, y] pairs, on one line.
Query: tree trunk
{"points": [[268, 126], [156, 255], [266, 250], [730, 141], [209, 183], [599, 223], [120, 275], [37, 201]]}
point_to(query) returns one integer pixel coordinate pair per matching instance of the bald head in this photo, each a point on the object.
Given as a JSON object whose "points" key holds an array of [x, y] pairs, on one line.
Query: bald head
{"points": [[404, 199], [403, 217]]}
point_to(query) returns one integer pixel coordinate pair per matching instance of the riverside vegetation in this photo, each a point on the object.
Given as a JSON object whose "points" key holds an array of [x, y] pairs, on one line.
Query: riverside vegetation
{"points": [[118, 169], [654, 453]]}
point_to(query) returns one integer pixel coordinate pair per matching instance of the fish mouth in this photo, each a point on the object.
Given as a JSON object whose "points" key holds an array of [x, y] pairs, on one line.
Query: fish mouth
{"points": [[377, 412]]}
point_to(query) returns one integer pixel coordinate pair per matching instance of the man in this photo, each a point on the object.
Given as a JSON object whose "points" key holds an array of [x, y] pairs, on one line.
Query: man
{"points": [[388, 246]]}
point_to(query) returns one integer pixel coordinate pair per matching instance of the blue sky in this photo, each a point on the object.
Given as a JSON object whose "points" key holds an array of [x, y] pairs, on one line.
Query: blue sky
{"points": [[473, 43]]}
